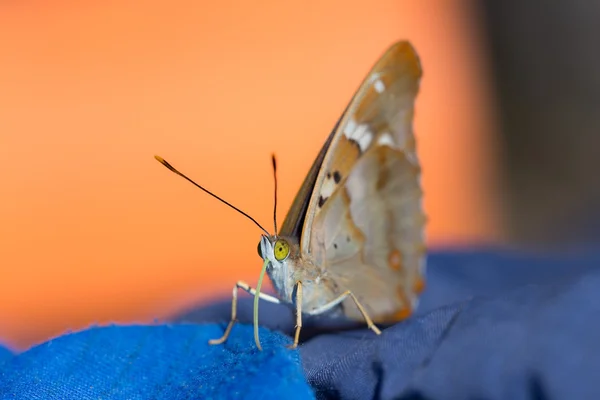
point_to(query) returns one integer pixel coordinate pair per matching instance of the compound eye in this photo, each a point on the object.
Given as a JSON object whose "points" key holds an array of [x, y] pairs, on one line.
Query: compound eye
{"points": [[281, 250], [259, 250]]}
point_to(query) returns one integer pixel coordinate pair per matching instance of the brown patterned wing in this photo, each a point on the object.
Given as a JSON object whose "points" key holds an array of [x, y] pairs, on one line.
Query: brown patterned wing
{"points": [[364, 223]]}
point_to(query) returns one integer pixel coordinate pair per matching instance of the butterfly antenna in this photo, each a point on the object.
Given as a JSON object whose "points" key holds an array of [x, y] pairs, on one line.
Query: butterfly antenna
{"points": [[170, 167], [275, 202]]}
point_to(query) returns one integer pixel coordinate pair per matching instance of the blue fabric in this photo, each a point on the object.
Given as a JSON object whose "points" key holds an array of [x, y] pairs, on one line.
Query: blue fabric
{"points": [[5, 354], [155, 362], [491, 325]]}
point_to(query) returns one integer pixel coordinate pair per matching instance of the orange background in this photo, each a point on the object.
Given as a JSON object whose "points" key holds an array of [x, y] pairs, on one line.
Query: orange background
{"points": [[94, 230]]}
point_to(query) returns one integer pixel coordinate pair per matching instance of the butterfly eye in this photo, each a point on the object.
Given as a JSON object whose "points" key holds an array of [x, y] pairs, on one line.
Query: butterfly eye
{"points": [[258, 248], [281, 250]]}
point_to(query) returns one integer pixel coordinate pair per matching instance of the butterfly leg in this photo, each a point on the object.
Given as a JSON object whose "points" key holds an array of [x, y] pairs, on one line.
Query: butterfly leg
{"points": [[240, 285], [298, 315], [332, 304]]}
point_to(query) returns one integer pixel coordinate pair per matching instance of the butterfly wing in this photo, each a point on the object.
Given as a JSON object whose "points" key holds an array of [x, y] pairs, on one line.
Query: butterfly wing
{"points": [[364, 223]]}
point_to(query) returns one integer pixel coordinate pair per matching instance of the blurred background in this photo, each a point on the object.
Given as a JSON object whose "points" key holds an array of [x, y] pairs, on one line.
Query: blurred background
{"points": [[94, 230]]}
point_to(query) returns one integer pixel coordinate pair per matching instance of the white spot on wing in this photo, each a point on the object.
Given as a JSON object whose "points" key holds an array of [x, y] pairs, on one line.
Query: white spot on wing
{"points": [[360, 131], [327, 188], [385, 139], [365, 139], [379, 86], [349, 128], [361, 134]]}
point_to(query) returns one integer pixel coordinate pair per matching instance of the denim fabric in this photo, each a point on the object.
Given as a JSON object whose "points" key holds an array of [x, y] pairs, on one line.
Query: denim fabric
{"points": [[491, 325]]}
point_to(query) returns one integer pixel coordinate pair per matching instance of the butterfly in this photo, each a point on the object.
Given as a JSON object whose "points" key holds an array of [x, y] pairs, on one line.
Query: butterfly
{"points": [[353, 241]]}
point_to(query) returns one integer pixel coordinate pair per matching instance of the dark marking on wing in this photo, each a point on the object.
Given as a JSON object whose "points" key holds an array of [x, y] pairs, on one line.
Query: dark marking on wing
{"points": [[322, 201], [337, 177]]}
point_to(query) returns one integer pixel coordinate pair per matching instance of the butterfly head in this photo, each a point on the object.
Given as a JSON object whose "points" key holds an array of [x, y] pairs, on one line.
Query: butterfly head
{"points": [[280, 255], [274, 249]]}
